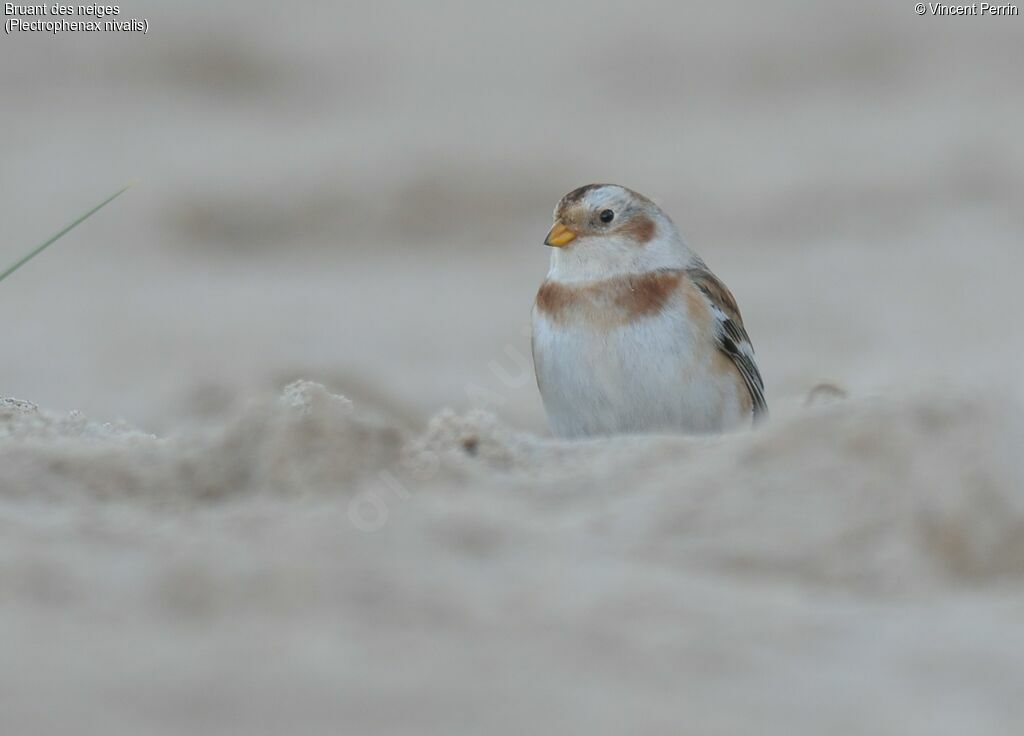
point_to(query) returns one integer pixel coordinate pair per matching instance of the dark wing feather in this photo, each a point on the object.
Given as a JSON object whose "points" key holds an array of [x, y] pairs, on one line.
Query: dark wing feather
{"points": [[732, 337]]}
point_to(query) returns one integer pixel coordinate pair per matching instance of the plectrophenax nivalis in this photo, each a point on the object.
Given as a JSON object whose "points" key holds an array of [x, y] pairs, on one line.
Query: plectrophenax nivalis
{"points": [[631, 330]]}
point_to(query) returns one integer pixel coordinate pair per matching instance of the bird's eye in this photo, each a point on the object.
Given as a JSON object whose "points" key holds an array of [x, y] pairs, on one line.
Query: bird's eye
{"points": [[607, 216]]}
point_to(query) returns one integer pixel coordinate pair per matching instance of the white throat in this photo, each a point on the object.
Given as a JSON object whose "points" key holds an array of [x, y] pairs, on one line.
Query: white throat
{"points": [[598, 258]]}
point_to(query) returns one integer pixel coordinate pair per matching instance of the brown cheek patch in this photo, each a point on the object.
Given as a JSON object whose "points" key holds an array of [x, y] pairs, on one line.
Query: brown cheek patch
{"points": [[641, 229]]}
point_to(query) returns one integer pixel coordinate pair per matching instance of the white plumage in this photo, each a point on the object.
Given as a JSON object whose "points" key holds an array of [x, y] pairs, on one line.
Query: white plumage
{"points": [[631, 332]]}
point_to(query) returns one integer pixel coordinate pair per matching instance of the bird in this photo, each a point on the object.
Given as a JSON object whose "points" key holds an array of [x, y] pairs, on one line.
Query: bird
{"points": [[632, 333]]}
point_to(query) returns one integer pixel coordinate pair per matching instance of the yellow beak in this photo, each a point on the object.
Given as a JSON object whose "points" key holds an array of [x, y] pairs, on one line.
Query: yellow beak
{"points": [[559, 235]]}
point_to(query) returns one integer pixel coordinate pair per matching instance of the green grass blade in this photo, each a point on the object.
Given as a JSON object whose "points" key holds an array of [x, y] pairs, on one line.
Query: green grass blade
{"points": [[62, 233]]}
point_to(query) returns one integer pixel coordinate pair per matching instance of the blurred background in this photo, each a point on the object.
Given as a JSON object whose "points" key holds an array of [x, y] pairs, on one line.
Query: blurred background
{"points": [[357, 192]]}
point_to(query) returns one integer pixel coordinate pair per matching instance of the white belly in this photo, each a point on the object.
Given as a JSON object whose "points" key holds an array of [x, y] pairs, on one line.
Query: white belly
{"points": [[653, 375]]}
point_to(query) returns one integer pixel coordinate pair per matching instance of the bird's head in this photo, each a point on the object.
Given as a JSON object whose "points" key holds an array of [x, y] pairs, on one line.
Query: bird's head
{"points": [[603, 230]]}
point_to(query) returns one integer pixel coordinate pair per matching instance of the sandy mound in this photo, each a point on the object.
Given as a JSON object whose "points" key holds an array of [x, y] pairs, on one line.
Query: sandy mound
{"points": [[306, 440], [894, 493], [307, 561]]}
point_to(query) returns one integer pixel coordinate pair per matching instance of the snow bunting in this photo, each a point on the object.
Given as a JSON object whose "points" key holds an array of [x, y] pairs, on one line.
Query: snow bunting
{"points": [[631, 330]]}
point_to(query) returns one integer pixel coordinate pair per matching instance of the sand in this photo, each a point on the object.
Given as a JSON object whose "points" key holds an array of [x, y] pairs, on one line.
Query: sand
{"points": [[854, 567], [278, 461]]}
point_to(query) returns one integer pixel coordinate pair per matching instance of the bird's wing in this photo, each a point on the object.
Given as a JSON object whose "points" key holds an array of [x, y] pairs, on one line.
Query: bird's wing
{"points": [[731, 336]]}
